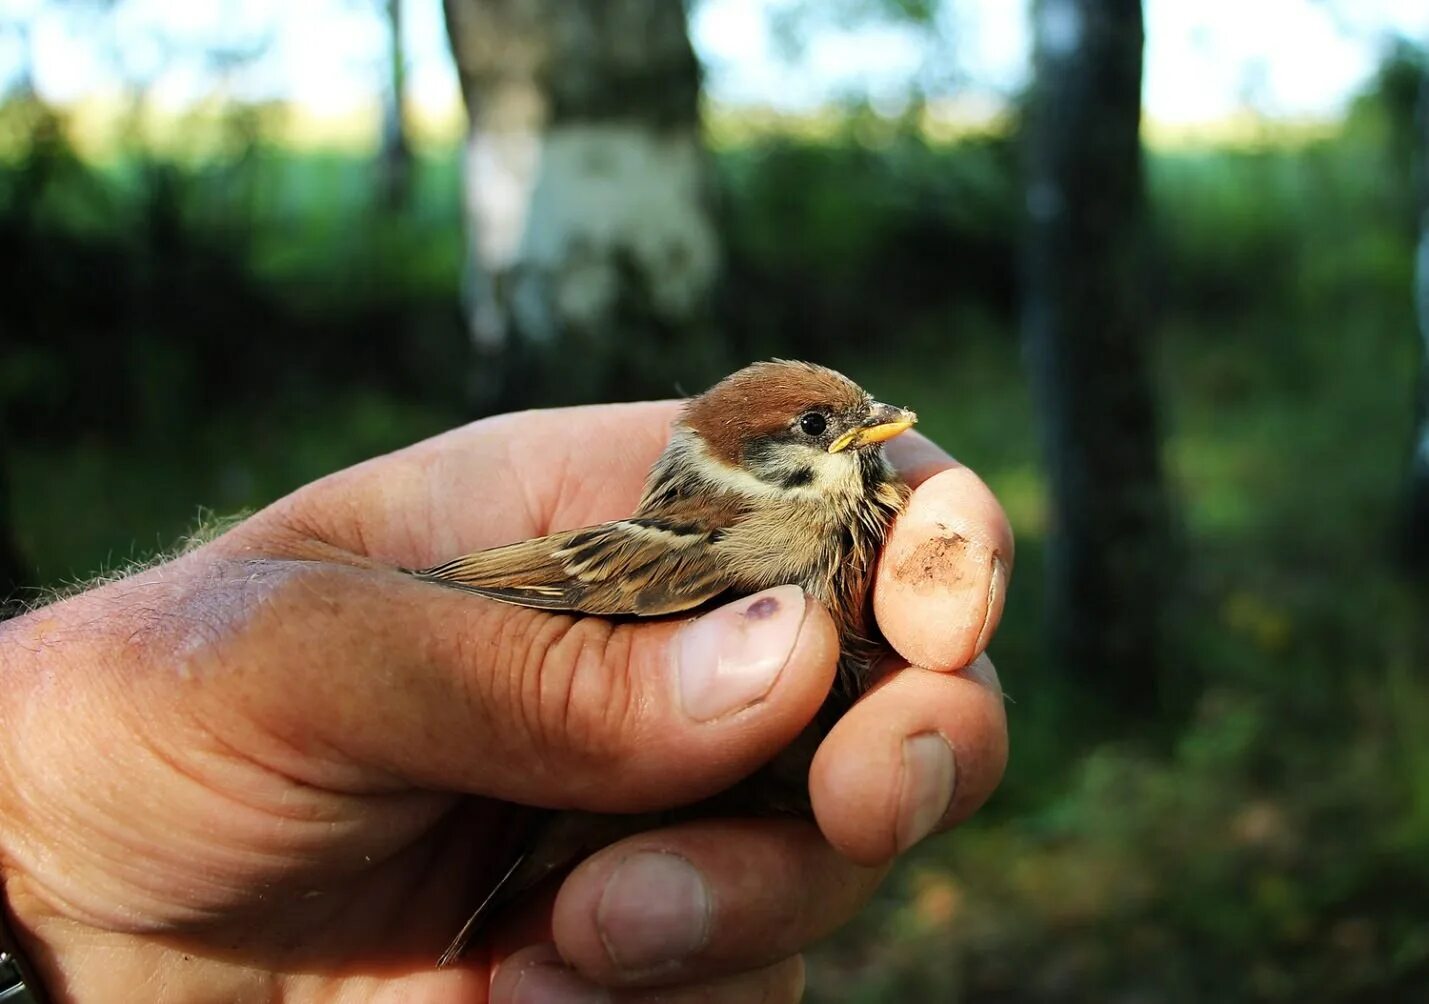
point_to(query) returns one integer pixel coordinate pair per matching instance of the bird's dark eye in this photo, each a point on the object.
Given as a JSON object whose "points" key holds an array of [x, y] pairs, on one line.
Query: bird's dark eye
{"points": [[813, 424]]}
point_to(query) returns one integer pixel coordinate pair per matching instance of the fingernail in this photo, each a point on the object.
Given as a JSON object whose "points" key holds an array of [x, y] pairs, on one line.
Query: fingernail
{"points": [[553, 984], [996, 597], [655, 911], [926, 789], [982, 670], [730, 658]]}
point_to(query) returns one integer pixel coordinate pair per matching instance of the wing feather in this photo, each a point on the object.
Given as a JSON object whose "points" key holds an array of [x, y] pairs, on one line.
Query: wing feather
{"points": [[646, 567]]}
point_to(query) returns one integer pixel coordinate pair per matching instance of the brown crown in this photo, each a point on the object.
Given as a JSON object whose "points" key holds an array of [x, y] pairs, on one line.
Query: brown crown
{"points": [[764, 398]]}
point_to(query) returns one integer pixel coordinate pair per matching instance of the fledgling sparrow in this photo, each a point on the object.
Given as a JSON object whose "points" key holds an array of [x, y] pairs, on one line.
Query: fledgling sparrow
{"points": [[775, 475]]}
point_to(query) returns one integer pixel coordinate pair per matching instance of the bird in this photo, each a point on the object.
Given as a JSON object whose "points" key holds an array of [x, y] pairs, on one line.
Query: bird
{"points": [[774, 475]]}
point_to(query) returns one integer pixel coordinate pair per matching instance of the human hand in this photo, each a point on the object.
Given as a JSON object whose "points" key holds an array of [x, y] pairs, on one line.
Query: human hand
{"points": [[242, 774]]}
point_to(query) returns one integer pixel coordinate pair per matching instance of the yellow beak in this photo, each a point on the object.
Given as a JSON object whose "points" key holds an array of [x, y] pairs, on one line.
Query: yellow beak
{"points": [[884, 422]]}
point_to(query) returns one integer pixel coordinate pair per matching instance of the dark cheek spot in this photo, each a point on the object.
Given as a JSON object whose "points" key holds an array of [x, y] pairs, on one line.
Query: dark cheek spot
{"points": [[936, 563], [762, 608], [798, 478]]}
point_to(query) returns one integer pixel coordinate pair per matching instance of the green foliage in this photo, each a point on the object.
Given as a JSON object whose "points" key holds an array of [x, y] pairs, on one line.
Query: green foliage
{"points": [[814, 228], [154, 288], [1256, 860], [219, 332]]}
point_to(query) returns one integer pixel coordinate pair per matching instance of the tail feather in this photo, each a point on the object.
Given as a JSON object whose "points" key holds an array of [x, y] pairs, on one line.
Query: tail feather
{"points": [[556, 841], [478, 917]]}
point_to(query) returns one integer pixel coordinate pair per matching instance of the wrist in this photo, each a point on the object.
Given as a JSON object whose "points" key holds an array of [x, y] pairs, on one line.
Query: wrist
{"points": [[63, 962], [19, 983], [59, 958]]}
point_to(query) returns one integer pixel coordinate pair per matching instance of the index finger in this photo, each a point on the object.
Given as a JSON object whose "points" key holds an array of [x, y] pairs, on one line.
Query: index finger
{"points": [[942, 578]]}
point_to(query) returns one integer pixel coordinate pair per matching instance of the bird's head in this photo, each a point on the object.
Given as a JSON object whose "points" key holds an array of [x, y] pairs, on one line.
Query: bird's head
{"points": [[793, 427]]}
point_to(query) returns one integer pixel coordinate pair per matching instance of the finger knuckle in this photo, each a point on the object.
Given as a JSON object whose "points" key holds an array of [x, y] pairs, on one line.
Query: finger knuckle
{"points": [[572, 691]]}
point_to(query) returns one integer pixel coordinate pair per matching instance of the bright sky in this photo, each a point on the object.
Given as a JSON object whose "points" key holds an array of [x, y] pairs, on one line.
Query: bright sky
{"points": [[1205, 59]]}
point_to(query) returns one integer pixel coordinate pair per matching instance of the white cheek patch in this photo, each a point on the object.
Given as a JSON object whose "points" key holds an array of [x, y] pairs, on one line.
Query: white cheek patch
{"points": [[832, 473], [721, 475]]}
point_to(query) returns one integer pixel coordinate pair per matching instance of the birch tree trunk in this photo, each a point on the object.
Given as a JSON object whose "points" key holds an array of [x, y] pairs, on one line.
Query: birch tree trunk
{"points": [[1088, 345], [592, 247]]}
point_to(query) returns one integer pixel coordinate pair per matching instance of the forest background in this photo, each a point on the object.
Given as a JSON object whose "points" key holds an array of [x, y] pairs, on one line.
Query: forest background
{"points": [[1216, 656]]}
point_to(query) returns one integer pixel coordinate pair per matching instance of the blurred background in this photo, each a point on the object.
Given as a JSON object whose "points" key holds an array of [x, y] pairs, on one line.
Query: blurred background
{"points": [[1148, 267]]}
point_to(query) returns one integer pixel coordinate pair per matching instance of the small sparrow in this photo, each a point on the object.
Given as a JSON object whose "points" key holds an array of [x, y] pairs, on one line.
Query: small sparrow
{"points": [[775, 475]]}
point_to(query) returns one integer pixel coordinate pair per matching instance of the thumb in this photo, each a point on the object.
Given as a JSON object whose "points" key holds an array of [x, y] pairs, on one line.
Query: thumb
{"points": [[441, 689]]}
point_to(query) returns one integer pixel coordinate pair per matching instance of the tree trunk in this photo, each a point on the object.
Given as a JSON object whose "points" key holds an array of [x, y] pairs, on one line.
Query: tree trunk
{"points": [[395, 160], [1417, 510], [1417, 515], [592, 248], [1088, 342]]}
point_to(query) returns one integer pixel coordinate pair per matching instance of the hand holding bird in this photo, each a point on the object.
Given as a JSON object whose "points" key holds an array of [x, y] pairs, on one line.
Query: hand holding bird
{"points": [[775, 475], [280, 767]]}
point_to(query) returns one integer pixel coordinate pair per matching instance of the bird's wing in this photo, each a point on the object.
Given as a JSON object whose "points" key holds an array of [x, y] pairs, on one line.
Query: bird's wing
{"points": [[644, 566]]}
